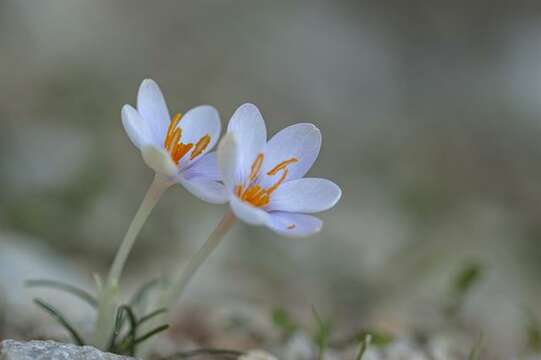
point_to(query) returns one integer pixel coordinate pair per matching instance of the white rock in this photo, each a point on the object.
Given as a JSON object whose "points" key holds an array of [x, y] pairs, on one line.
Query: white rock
{"points": [[50, 350], [299, 347]]}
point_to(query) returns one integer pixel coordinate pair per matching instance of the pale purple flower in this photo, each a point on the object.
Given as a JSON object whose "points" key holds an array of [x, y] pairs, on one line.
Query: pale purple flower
{"points": [[264, 180], [177, 147]]}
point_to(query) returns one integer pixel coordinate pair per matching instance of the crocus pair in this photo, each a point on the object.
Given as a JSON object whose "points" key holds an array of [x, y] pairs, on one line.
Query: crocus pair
{"points": [[262, 180]]}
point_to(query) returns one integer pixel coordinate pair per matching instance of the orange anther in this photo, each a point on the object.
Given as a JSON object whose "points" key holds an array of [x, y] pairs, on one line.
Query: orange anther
{"points": [[256, 166], [255, 194], [200, 146], [281, 166]]}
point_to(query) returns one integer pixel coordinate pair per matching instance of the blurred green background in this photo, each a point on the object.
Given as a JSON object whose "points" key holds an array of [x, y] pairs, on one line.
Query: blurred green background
{"points": [[430, 113]]}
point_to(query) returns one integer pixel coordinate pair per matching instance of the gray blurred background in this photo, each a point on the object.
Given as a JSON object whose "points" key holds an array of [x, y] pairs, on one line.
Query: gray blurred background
{"points": [[431, 119]]}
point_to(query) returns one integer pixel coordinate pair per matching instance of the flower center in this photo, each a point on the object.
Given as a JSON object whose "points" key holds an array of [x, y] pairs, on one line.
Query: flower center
{"points": [[176, 148], [255, 194]]}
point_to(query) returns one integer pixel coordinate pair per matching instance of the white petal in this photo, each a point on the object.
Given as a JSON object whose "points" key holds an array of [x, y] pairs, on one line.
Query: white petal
{"points": [[152, 107], [300, 141], [308, 195], [294, 225], [207, 167], [249, 129], [206, 189], [136, 128], [159, 160], [228, 161], [247, 212], [196, 123]]}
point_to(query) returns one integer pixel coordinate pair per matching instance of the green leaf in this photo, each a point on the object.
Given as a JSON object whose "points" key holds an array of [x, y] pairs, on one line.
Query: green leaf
{"points": [[61, 319], [364, 345], [322, 336], [151, 333], [80, 293], [151, 315], [467, 278], [460, 286], [475, 353], [533, 331], [377, 338], [282, 320], [126, 345]]}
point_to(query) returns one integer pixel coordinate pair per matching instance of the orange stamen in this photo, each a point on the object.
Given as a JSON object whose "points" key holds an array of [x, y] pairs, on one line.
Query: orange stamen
{"points": [[176, 148], [256, 166], [278, 183], [238, 190], [174, 139], [254, 193], [200, 146], [179, 151], [281, 166], [171, 128]]}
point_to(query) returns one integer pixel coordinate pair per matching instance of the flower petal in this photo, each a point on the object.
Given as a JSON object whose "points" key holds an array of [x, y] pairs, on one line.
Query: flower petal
{"points": [[207, 167], [249, 129], [136, 128], [300, 141], [247, 212], [206, 189], [293, 225], [307, 195], [159, 160], [195, 124], [152, 107], [228, 161]]}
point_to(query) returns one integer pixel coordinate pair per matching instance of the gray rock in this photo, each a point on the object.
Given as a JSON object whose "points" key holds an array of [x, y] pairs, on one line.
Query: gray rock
{"points": [[51, 350]]}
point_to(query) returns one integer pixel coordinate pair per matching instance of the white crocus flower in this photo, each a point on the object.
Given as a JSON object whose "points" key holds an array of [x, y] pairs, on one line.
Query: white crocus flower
{"points": [[265, 186], [176, 147], [265, 181]]}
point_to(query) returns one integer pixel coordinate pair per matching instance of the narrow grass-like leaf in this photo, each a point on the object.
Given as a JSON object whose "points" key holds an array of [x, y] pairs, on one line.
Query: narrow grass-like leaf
{"points": [[229, 354], [151, 333], [151, 315], [128, 343], [119, 323], [475, 353], [282, 320], [62, 320], [322, 336], [364, 345], [467, 278], [533, 330], [377, 338], [460, 287], [80, 293]]}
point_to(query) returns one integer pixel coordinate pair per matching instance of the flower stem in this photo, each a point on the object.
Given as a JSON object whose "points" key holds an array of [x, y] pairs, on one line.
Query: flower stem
{"points": [[178, 284], [154, 193], [183, 277], [108, 295]]}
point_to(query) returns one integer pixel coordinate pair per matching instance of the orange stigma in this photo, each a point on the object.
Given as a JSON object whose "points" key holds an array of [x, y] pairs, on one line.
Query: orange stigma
{"points": [[254, 193], [176, 148]]}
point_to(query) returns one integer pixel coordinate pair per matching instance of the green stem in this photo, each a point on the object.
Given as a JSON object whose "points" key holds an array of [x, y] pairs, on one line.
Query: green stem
{"points": [[108, 295], [186, 273], [183, 277]]}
